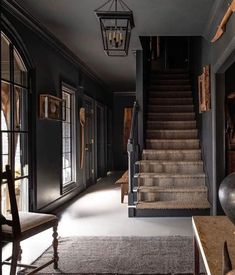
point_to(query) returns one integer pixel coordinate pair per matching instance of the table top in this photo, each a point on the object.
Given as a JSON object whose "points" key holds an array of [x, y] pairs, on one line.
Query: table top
{"points": [[210, 233]]}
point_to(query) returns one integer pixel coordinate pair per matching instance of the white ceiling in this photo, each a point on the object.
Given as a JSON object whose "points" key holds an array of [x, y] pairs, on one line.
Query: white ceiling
{"points": [[74, 23]]}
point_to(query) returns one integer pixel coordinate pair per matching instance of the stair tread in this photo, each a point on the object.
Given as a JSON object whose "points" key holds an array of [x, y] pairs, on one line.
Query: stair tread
{"points": [[171, 140], [176, 122], [180, 114], [153, 151], [171, 189], [172, 130], [185, 162], [197, 204], [170, 92], [165, 175], [165, 106]]}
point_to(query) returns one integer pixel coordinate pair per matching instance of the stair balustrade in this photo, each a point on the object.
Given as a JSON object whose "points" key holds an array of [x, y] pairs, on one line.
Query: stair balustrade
{"points": [[133, 153]]}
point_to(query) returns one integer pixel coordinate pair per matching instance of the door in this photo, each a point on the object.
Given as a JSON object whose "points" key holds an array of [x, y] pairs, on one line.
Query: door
{"points": [[89, 141], [109, 119], [101, 140], [177, 52]]}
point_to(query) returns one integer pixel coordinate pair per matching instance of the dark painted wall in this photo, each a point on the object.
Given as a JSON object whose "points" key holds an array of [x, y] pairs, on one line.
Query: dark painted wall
{"points": [[198, 60], [220, 56], [119, 155], [51, 67]]}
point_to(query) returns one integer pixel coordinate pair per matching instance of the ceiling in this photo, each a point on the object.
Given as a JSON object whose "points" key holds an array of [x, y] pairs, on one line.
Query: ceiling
{"points": [[74, 23]]}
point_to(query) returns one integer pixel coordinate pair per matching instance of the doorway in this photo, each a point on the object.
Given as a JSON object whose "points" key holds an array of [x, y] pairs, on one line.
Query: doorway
{"points": [[101, 140], [169, 52], [89, 163]]}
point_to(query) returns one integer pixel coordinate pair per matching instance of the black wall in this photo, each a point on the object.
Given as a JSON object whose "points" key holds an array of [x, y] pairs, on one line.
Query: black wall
{"points": [[204, 120], [49, 68], [120, 101]]}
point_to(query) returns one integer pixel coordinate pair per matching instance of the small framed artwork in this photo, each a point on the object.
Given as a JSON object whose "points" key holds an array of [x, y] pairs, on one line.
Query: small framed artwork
{"points": [[51, 107], [204, 91]]}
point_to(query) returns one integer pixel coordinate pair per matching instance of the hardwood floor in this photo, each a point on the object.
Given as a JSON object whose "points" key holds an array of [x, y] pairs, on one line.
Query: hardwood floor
{"points": [[98, 212]]}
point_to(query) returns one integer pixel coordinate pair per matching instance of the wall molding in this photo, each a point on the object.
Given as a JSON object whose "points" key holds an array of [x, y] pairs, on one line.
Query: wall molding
{"points": [[32, 23], [224, 61], [125, 93]]}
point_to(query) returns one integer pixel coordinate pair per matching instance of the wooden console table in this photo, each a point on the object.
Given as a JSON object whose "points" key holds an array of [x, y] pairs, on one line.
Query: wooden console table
{"points": [[209, 236], [123, 181]]}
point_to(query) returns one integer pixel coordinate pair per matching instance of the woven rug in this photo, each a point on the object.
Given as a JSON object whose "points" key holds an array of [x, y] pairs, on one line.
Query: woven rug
{"points": [[122, 255]]}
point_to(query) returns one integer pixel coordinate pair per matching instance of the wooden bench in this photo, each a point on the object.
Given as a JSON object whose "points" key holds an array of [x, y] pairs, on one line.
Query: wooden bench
{"points": [[123, 181]]}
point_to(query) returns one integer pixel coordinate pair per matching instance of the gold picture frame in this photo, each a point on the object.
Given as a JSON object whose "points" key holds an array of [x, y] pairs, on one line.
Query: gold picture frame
{"points": [[51, 107], [204, 90]]}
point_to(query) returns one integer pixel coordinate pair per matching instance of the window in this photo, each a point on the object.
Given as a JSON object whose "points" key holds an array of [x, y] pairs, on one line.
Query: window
{"points": [[68, 138], [14, 122]]}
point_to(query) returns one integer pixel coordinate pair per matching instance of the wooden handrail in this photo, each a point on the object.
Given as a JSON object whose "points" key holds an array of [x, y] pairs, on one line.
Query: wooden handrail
{"points": [[133, 120]]}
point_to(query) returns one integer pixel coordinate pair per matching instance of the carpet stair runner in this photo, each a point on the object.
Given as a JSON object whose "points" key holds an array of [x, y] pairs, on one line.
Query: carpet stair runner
{"points": [[170, 174]]}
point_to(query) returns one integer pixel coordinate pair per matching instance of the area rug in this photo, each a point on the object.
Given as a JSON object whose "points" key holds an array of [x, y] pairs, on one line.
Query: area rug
{"points": [[122, 255]]}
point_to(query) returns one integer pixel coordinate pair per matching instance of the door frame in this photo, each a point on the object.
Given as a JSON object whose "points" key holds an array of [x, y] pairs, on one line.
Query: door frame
{"points": [[104, 130], [92, 102]]}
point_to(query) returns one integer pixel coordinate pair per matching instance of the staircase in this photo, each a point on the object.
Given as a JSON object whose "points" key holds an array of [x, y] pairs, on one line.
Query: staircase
{"points": [[170, 179]]}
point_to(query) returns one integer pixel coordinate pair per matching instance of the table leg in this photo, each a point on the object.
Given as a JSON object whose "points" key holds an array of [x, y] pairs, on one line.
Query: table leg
{"points": [[122, 193], [196, 258]]}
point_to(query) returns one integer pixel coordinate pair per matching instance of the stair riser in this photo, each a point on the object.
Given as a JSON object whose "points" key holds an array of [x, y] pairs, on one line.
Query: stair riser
{"points": [[171, 182], [169, 71], [187, 144], [168, 82], [171, 101], [172, 125], [170, 117], [169, 196], [191, 134], [170, 109], [175, 168], [170, 76], [176, 94], [180, 156], [170, 88]]}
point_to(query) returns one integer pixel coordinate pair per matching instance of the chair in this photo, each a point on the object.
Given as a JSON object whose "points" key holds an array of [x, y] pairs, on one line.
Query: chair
{"points": [[21, 225]]}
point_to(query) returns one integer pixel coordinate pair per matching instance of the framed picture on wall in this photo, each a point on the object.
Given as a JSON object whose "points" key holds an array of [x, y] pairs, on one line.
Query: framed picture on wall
{"points": [[51, 107], [204, 91]]}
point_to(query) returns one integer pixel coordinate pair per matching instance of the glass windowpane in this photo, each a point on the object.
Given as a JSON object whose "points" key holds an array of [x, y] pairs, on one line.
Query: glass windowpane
{"points": [[66, 145], [20, 73], [5, 143], [21, 155], [5, 161], [22, 187], [5, 58], [66, 160], [66, 130], [21, 190], [20, 107], [67, 175], [6, 106], [68, 115]]}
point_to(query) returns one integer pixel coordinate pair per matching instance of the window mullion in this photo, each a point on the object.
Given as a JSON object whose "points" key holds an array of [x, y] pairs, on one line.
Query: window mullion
{"points": [[12, 110]]}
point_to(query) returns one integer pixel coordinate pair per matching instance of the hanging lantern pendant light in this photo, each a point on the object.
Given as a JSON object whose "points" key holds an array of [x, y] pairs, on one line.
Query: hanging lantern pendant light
{"points": [[116, 25]]}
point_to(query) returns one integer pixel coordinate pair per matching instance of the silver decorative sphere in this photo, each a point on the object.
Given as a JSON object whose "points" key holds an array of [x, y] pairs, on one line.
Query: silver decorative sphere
{"points": [[227, 196]]}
